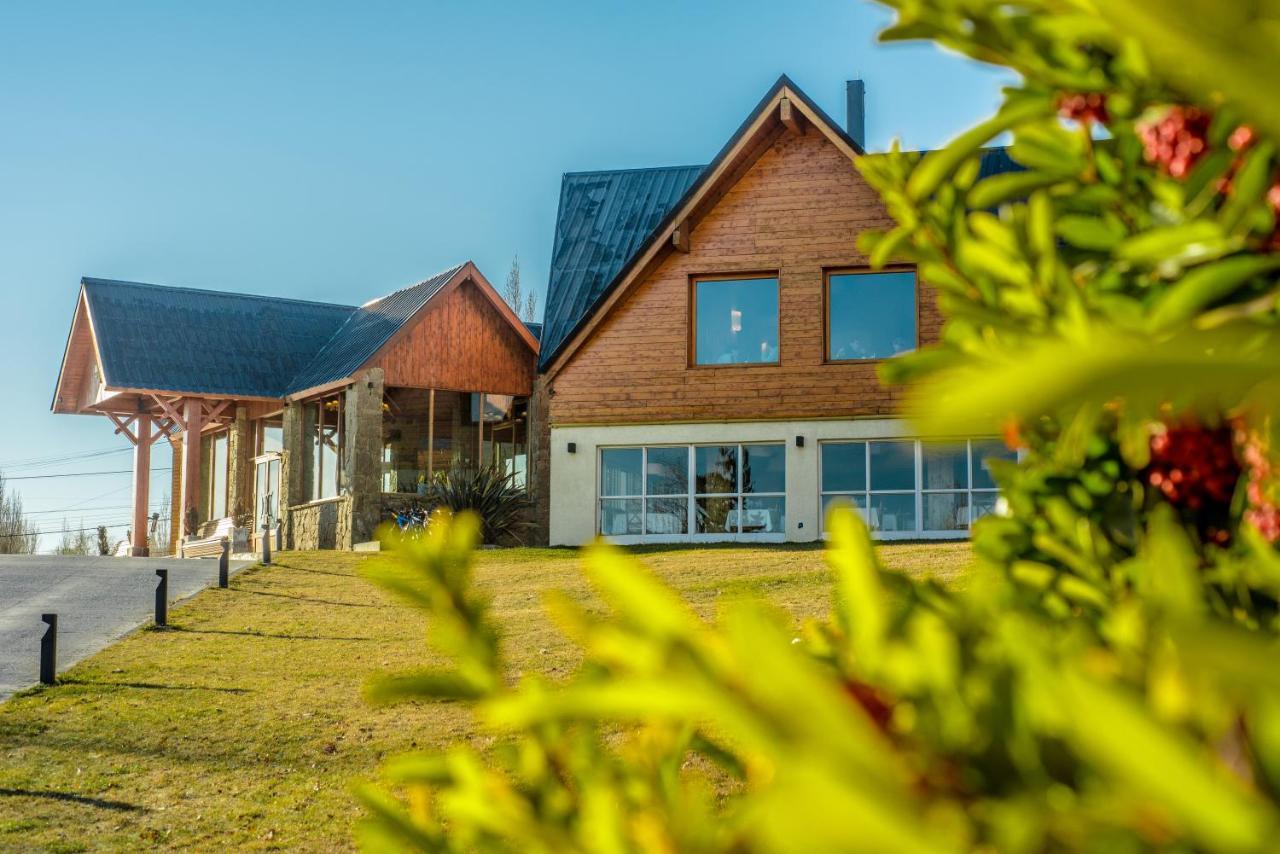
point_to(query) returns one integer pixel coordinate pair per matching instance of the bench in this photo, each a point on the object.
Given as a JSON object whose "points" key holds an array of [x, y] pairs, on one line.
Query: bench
{"points": [[208, 543]]}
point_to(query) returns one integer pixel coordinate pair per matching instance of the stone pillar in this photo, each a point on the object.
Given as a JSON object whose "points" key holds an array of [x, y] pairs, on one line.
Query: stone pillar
{"points": [[240, 505], [193, 415], [362, 460], [296, 462], [539, 438]]}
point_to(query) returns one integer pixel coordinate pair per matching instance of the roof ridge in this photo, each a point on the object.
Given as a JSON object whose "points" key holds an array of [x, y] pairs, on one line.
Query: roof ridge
{"points": [[86, 280], [450, 271], [633, 169]]}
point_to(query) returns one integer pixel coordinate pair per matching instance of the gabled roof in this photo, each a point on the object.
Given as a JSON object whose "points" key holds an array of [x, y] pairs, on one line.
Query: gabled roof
{"points": [[705, 187], [155, 338], [611, 223], [162, 338], [364, 332], [604, 218]]}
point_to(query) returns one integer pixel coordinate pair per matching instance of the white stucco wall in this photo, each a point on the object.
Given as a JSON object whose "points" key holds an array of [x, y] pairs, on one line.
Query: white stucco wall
{"points": [[575, 482]]}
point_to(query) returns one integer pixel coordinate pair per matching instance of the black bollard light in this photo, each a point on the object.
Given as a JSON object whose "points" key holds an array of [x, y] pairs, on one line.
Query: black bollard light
{"points": [[49, 650], [162, 598], [266, 545], [224, 560]]}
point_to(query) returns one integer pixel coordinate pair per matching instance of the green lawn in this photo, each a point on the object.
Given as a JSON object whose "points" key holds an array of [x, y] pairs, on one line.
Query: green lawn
{"points": [[243, 725]]}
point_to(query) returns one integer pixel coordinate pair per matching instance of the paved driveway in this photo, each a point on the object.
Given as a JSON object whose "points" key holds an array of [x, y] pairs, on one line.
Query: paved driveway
{"points": [[97, 600]]}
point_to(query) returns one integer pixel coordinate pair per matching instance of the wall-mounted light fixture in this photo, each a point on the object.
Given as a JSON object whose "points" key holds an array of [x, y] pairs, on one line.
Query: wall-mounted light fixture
{"points": [[573, 447], [799, 441]]}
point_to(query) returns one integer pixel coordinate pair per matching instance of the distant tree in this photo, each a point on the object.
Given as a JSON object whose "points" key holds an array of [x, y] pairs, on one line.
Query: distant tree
{"points": [[531, 307], [523, 304], [17, 536], [161, 528], [104, 544], [75, 541]]}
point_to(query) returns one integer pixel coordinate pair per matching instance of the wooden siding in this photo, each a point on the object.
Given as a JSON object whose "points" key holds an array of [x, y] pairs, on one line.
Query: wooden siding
{"points": [[460, 342], [798, 210]]}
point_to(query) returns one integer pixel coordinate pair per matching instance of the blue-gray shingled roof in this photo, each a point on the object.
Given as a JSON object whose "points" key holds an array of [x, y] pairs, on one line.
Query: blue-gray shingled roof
{"points": [[365, 330], [604, 218], [210, 342]]}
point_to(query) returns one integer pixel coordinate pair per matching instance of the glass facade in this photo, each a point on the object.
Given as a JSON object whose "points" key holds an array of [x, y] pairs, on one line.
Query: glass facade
{"points": [[737, 490], [905, 487]]}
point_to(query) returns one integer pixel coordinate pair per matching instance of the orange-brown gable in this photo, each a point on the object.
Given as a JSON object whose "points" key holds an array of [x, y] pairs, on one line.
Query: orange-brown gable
{"points": [[460, 341], [798, 210]]}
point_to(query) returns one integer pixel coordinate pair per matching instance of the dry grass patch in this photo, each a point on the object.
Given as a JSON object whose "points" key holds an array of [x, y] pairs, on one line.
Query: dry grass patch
{"points": [[243, 725]]}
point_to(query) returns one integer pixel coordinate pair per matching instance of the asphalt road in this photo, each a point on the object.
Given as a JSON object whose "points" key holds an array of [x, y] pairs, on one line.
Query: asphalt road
{"points": [[97, 600]]}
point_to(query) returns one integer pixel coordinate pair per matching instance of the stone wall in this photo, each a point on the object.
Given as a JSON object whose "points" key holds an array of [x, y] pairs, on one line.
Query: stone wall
{"points": [[320, 525]]}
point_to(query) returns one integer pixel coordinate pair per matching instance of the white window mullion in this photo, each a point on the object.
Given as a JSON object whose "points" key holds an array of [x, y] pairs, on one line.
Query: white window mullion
{"points": [[919, 490]]}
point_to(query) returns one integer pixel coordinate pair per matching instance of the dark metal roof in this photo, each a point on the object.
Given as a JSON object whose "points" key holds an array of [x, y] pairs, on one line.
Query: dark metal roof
{"points": [[366, 329], [603, 221], [535, 329], [204, 342]]}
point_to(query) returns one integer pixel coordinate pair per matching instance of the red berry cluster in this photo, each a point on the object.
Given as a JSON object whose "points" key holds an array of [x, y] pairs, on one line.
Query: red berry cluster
{"points": [[1262, 512], [1196, 470], [1177, 140], [1084, 107], [877, 706]]}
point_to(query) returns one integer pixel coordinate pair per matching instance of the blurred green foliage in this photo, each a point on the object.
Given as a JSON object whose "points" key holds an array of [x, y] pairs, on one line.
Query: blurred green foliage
{"points": [[1107, 679]]}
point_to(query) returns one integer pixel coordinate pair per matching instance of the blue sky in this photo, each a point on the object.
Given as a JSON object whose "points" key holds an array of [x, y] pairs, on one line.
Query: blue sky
{"points": [[340, 151]]}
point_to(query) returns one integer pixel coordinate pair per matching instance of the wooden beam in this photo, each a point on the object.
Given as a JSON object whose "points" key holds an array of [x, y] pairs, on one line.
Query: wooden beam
{"points": [[169, 408], [682, 237], [123, 424], [214, 412], [790, 117], [431, 435]]}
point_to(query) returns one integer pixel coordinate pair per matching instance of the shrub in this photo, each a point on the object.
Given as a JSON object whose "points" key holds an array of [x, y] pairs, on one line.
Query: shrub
{"points": [[493, 495], [1106, 680]]}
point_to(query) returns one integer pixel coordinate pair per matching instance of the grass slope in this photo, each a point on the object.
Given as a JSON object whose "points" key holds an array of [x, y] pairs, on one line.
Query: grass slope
{"points": [[243, 725]]}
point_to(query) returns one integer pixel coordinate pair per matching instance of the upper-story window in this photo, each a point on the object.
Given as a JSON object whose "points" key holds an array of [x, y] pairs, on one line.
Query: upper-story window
{"points": [[870, 315], [735, 321]]}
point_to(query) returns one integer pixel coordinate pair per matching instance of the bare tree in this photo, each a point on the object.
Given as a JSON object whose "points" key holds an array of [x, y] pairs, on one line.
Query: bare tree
{"points": [[525, 305], [75, 541], [161, 528], [17, 536]]}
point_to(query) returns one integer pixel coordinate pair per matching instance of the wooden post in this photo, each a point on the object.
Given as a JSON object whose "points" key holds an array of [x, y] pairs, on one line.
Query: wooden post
{"points": [[193, 421], [480, 435], [141, 483], [431, 435]]}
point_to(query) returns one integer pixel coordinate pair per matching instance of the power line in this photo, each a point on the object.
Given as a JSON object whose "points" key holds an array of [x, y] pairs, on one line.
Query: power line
{"points": [[65, 531], [80, 474], [37, 461]]}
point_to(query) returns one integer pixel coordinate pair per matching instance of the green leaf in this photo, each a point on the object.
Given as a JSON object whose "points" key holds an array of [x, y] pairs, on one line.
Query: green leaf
{"points": [[1207, 284], [427, 684], [1097, 233], [992, 191], [936, 166], [1153, 761], [1177, 244]]}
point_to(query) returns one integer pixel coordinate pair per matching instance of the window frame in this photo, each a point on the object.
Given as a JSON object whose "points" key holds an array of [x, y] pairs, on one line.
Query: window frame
{"points": [[828, 272], [690, 495], [919, 532], [691, 329]]}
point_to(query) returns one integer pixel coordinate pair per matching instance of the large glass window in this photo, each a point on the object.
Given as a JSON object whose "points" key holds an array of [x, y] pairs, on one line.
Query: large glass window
{"points": [[214, 460], [908, 487], [644, 491], [270, 436], [737, 489], [327, 443], [735, 321], [870, 315]]}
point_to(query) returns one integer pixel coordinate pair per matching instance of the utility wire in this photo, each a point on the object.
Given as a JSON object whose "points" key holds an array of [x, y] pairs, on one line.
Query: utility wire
{"points": [[80, 474], [67, 530], [45, 462]]}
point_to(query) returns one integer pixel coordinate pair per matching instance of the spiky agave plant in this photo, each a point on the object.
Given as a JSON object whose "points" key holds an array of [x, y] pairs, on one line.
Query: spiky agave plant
{"points": [[490, 493]]}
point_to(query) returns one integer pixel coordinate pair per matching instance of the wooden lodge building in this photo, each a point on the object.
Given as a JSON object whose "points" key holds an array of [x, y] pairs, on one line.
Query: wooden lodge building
{"points": [[705, 369]]}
